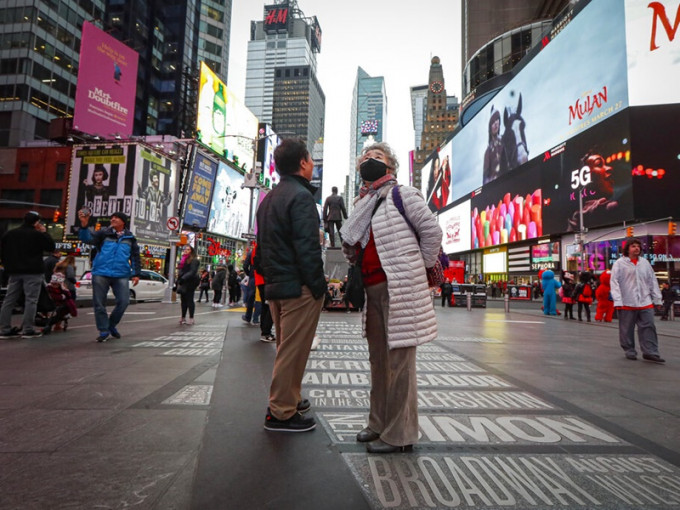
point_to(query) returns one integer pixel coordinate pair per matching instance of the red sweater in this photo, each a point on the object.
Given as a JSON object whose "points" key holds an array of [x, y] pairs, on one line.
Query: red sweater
{"points": [[371, 269]]}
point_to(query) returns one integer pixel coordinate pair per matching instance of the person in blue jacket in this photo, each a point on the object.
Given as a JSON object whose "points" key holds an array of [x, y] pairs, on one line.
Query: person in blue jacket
{"points": [[550, 286], [116, 262]]}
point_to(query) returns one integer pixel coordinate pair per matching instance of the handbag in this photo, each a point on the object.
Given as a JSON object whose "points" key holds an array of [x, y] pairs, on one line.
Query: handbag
{"points": [[435, 274], [355, 283]]}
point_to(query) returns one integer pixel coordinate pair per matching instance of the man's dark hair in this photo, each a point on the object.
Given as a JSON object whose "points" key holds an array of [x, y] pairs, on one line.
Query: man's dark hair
{"points": [[334, 189], [627, 244], [31, 218], [289, 154]]}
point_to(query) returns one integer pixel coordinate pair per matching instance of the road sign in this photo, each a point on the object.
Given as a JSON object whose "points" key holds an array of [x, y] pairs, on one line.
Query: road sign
{"points": [[246, 235], [173, 223]]}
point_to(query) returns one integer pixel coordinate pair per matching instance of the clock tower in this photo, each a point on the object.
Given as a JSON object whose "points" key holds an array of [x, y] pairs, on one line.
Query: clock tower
{"points": [[440, 121]]}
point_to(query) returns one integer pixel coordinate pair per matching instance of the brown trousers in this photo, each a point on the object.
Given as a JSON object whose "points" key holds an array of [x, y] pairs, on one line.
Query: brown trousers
{"points": [[394, 388], [295, 321]]}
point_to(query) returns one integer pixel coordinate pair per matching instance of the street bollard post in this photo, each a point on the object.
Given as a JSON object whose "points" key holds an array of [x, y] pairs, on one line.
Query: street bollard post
{"points": [[506, 300], [469, 301]]}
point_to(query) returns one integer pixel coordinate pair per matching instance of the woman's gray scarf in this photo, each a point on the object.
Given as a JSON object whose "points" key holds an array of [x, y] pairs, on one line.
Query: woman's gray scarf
{"points": [[356, 228]]}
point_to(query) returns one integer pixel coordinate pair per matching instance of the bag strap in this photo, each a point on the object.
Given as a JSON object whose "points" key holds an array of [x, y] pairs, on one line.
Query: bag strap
{"points": [[396, 197]]}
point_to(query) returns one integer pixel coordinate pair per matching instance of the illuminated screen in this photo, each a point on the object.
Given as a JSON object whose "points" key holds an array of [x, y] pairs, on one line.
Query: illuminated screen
{"points": [[455, 224], [437, 186], [596, 162], [495, 262], [155, 196], [508, 210], [107, 85], [544, 104], [200, 191], [656, 161], [102, 180], [653, 52], [225, 125], [230, 204]]}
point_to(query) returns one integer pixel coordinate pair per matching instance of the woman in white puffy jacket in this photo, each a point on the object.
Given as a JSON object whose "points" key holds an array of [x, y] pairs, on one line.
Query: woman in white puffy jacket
{"points": [[398, 315]]}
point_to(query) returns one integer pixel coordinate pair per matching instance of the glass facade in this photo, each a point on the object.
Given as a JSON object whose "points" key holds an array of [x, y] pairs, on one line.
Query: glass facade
{"points": [[501, 55]]}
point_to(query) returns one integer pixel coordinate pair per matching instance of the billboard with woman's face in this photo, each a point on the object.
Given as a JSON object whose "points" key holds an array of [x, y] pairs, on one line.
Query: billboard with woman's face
{"points": [[230, 204]]}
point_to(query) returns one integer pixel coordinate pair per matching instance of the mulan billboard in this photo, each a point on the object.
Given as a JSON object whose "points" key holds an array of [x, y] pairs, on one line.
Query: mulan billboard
{"points": [[577, 81]]}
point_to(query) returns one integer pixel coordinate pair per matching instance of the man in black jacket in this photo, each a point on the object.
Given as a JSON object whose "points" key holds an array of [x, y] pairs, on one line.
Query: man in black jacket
{"points": [[289, 259], [22, 255]]}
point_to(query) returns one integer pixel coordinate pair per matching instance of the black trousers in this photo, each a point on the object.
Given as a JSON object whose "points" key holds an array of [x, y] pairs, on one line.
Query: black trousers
{"points": [[332, 225]]}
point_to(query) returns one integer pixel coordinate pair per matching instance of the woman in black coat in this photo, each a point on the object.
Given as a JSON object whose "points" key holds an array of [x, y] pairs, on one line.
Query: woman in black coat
{"points": [[187, 281]]}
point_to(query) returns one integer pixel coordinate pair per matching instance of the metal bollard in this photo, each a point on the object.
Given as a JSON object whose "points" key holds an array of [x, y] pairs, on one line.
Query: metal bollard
{"points": [[506, 299], [469, 301]]}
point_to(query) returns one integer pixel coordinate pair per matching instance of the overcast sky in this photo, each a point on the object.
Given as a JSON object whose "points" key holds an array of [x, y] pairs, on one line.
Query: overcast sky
{"points": [[389, 39]]}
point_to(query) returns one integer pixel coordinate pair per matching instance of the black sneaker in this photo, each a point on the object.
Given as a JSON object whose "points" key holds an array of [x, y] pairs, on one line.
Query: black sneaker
{"points": [[653, 357], [296, 423], [103, 336], [31, 334], [268, 338], [114, 332], [303, 406], [13, 333]]}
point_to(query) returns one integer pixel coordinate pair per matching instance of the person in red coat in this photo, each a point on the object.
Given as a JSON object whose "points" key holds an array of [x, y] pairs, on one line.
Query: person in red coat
{"points": [[605, 303]]}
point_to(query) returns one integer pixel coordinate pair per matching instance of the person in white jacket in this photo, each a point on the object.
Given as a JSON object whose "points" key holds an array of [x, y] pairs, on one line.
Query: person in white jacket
{"points": [[398, 315], [635, 292]]}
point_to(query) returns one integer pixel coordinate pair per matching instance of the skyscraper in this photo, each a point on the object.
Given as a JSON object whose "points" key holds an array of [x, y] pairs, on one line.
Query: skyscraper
{"points": [[281, 78], [441, 117], [171, 37], [39, 65], [368, 122]]}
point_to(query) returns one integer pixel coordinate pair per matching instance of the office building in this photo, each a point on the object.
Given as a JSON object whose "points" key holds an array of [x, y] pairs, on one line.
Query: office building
{"points": [[281, 74], [368, 120]]}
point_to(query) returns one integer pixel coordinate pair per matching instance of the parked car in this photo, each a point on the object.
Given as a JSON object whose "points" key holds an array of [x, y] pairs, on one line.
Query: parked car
{"points": [[151, 287]]}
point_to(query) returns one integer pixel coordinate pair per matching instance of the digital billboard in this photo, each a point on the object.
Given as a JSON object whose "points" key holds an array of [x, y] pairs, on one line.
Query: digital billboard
{"points": [[107, 85], [437, 188], [507, 210], [575, 82], [224, 123], [230, 204], [268, 143], [653, 52], [200, 191], [598, 165], [455, 225], [655, 161], [102, 181], [155, 197], [276, 17]]}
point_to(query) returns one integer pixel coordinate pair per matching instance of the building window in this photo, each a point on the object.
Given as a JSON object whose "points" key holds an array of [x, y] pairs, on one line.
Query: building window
{"points": [[51, 197], [61, 171], [23, 172]]}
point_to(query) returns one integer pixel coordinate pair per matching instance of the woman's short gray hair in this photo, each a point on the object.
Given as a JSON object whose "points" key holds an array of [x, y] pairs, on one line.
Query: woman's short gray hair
{"points": [[385, 149]]}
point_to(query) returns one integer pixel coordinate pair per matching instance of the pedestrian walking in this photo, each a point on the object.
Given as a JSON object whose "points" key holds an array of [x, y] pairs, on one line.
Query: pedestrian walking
{"points": [[395, 243], [583, 295], [568, 296], [204, 285], [668, 297], [289, 259], [218, 284], [635, 292], [115, 264], [21, 254], [187, 281], [447, 291]]}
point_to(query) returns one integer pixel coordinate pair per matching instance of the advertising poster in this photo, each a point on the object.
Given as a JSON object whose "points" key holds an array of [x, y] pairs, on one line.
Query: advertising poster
{"points": [[438, 178], [102, 181], [598, 165], [107, 85], [545, 256], [455, 225], [200, 191], [544, 105], [317, 180], [230, 204], [224, 123], [655, 161], [507, 210], [269, 141], [653, 52], [154, 195]]}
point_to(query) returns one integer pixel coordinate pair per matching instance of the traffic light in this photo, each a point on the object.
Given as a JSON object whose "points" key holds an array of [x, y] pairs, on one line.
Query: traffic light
{"points": [[672, 228], [57, 214], [630, 232], [98, 226]]}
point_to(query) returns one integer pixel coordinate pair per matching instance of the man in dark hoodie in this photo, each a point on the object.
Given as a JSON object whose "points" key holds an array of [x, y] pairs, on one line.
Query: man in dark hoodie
{"points": [[22, 255]]}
